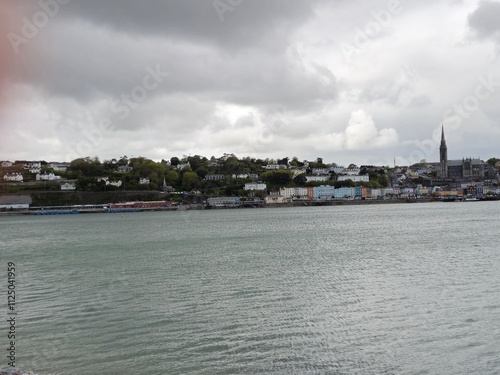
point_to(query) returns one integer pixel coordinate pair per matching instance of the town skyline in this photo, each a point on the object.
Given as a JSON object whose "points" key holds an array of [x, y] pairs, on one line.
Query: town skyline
{"points": [[442, 157]]}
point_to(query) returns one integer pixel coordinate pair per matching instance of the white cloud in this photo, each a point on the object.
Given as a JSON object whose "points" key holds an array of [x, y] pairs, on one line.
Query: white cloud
{"points": [[362, 133]]}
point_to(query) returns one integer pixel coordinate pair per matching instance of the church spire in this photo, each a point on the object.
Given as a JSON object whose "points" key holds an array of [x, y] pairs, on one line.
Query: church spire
{"points": [[443, 155], [443, 140]]}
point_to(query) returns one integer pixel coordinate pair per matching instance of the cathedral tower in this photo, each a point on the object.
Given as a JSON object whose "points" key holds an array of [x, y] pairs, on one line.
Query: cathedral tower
{"points": [[443, 155]]}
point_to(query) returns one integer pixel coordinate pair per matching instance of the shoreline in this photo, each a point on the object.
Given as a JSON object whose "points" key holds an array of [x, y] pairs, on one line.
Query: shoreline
{"points": [[304, 203]]}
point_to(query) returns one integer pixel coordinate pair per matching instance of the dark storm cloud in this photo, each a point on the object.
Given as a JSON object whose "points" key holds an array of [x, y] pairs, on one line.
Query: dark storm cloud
{"points": [[247, 23], [106, 50]]}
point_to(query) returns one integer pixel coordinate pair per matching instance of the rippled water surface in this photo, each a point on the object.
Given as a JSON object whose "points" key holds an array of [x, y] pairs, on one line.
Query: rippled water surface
{"points": [[379, 289]]}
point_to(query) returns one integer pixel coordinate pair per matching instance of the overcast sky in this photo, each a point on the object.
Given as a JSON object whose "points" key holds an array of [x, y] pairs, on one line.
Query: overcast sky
{"points": [[353, 81]]}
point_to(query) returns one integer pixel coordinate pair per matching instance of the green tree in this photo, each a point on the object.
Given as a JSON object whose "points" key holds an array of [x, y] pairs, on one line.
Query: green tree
{"points": [[493, 161], [172, 178], [346, 183], [231, 165], [300, 179], [174, 161], [190, 181], [197, 161], [283, 161], [201, 172], [276, 178]]}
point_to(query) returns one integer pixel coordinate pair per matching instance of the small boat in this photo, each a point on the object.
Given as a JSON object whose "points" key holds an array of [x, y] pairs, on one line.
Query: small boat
{"points": [[471, 199]]}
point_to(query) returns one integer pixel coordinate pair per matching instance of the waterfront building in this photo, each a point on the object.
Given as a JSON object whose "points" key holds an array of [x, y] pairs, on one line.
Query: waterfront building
{"points": [[323, 192], [344, 193], [275, 199], [310, 193], [15, 202], [293, 192], [359, 192], [223, 201]]}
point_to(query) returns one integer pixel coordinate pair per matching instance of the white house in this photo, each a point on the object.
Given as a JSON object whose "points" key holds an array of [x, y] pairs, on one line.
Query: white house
{"points": [[68, 186], [124, 168], [337, 169], [58, 167], [144, 181], [317, 178], [252, 176], [354, 178], [13, 177], [272, 166], [108, 182], [6, 164], [255, 186], [47, 177], [352, 171], [114, 183], [33, 165], [320, 171]]}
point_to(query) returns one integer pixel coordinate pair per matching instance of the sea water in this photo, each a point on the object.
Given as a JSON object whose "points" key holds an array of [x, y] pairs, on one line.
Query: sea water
{"points": [[375, 289]]}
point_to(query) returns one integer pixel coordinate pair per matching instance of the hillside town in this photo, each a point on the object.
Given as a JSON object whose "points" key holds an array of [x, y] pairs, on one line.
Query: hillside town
{"points": [[229, 181]]}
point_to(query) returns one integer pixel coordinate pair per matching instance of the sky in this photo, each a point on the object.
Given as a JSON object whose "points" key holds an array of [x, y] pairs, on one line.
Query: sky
{"points": [[363, 82]]}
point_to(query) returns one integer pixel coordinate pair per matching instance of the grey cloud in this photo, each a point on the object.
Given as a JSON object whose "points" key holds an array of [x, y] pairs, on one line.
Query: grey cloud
{"points": [[85, 61], [249, 23], [264, 66], [485, 19]]}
